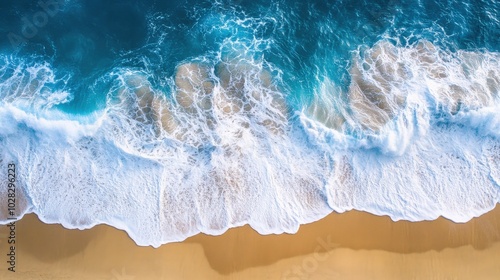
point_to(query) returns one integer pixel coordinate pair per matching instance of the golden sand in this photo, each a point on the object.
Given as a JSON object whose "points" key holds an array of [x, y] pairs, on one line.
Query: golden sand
{"points": [[353, 245]]}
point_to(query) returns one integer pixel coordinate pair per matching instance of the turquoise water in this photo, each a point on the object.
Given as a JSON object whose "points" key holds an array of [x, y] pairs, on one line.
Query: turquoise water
{"points": [[192, 116], [305, 40]]}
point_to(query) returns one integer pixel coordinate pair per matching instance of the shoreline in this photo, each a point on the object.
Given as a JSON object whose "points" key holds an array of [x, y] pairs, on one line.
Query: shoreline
{"points": [[331, 248]]}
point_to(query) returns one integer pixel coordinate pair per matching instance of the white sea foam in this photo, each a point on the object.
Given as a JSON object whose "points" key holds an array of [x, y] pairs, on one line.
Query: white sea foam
{"points": [[415, 137], [420, 135]]}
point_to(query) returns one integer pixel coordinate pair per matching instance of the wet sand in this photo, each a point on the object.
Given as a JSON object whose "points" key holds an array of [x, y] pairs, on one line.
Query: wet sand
{"points": [[352, 245]]}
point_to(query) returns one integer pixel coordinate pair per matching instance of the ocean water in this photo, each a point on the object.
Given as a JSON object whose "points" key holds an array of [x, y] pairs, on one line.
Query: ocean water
{"points": [[170, 118]]}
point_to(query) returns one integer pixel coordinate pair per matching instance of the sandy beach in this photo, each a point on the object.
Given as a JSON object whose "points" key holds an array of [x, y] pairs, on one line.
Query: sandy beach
{"points": [[352, 245]]}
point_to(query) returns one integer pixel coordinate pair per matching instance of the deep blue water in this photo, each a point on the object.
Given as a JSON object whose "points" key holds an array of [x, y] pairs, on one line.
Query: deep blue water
{"points": [[307, 40]]}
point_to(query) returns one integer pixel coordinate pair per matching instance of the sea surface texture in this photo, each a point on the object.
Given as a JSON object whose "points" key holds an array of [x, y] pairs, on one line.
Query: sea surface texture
{"points": [[170, 118]]}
